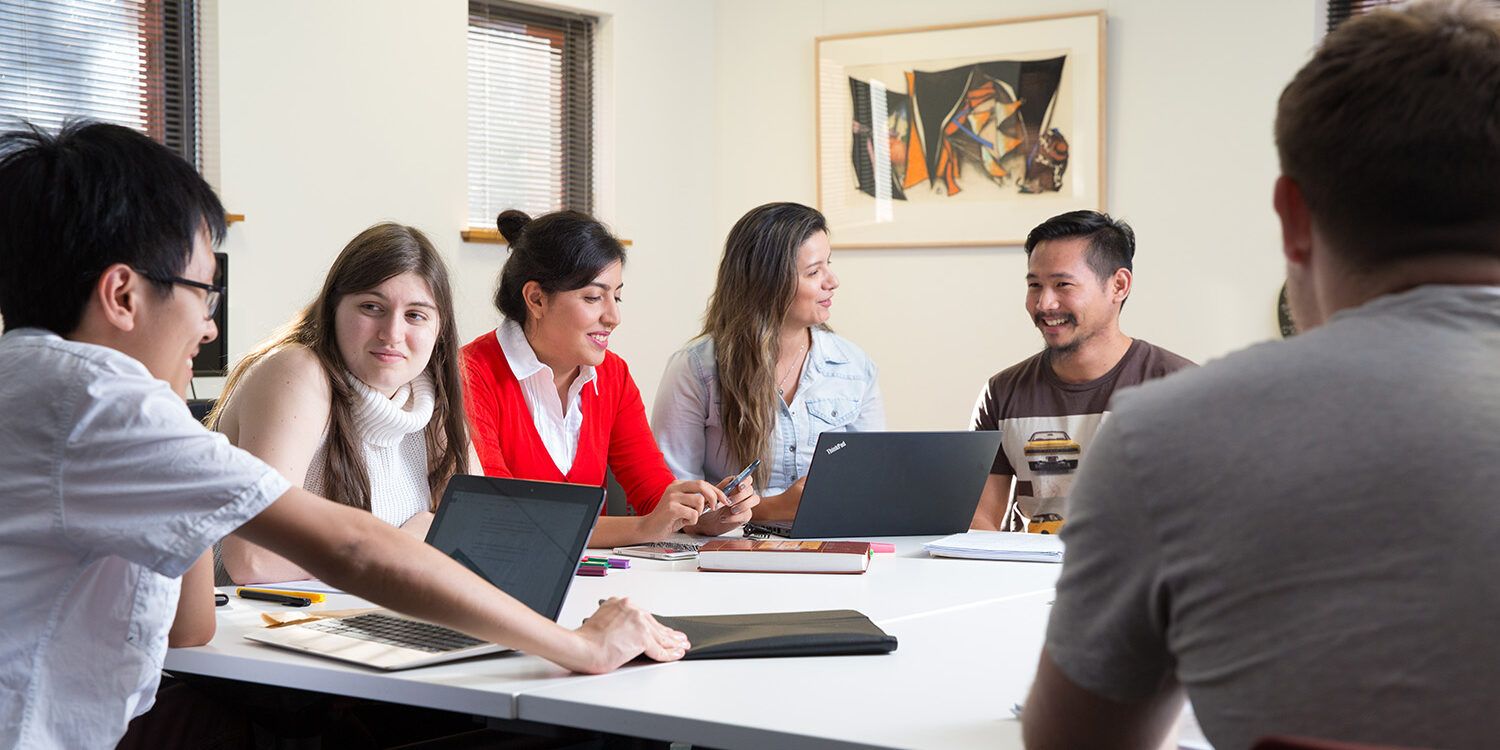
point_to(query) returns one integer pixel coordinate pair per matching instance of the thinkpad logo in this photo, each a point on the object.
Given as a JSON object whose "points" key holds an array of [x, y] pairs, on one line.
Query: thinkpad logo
{"points": [[836, 448]]}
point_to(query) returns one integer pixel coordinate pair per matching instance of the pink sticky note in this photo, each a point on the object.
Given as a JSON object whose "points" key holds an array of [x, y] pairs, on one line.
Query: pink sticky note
{"points": [[882, 547]]}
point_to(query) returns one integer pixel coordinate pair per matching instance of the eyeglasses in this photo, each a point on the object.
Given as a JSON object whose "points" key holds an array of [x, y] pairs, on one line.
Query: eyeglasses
{"points": [[212, 292]]}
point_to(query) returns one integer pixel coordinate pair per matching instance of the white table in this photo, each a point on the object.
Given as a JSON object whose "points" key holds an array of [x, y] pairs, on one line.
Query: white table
{"points": [[969, 635], [950, 684], [484, 687]]}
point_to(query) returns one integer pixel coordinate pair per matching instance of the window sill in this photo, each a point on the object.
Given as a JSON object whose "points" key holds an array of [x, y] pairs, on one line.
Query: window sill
{"points": [[492, 236]]}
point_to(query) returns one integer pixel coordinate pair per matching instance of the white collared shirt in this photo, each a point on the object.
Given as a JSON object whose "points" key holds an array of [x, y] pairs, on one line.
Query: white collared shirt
{"points": [[109, 491], [558, 426]]}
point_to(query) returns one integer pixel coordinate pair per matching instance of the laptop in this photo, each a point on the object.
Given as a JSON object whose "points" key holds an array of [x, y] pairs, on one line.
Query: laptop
{"points": [[890, 484], [525, 538]]}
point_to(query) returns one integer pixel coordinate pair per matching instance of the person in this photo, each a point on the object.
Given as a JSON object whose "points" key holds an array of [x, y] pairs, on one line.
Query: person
{"points": [[1049, 406], [766, 376], [112, 493], [358, 398], [1302, 535], [548, 400]]}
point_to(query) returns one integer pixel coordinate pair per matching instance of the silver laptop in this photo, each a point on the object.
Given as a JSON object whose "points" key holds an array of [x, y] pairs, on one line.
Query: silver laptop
{"points": [[524, 537], [890, 484]]}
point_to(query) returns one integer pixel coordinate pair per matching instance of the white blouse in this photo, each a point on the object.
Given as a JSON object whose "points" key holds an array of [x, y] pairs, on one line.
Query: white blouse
{"points": [[559, 426]]}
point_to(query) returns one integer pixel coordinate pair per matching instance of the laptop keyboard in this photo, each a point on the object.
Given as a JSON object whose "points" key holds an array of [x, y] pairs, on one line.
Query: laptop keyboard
{"points": [[397, 631]]}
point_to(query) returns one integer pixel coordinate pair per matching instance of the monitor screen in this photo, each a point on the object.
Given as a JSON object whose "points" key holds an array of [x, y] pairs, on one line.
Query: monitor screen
{"points": [[213, 357], [523, 537]]}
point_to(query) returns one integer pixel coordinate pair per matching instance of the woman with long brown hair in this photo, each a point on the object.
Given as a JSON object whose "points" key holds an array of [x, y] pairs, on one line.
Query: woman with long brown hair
{"points": [[359, 397], [766, 376]]}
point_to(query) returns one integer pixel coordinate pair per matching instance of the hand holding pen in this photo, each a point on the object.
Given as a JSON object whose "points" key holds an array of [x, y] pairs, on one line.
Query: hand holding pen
{"points": [[741, 499]]}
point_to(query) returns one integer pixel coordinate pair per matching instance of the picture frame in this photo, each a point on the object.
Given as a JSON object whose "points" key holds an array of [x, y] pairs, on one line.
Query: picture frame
{"points": [[990, 128]]}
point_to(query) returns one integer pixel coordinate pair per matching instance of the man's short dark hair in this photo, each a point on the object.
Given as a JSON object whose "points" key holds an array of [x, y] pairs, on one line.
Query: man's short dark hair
{"points": [[76, 203], [1111, 241], [1392, 132]]}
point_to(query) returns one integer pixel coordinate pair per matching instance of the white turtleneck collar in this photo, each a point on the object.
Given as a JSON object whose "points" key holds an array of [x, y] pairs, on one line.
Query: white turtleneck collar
{"points": [[385, 421]]}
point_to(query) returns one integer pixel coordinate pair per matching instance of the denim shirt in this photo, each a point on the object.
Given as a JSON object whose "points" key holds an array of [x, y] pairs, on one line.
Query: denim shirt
{"points": [[837, 392]]}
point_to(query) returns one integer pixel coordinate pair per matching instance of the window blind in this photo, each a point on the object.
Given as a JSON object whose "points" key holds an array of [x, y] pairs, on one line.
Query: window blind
{"points": [[530, 121], [1340, 11], [129, 62]]}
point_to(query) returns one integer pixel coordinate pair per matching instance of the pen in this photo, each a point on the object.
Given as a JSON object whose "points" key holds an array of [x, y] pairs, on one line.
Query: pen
{"points": [[734, 485], [311, 596], [290, 601]]}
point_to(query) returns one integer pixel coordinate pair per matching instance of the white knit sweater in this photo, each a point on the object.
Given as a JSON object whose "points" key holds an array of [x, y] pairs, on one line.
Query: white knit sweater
{"points": [[391, 433]]}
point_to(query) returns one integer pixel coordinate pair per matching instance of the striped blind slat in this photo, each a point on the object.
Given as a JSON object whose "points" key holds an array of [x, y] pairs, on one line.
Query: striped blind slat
{"points": [[530, 120], [128, 62]]}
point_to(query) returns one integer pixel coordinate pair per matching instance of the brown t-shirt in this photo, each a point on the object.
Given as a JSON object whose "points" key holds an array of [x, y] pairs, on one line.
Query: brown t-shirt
{"points": [[1046, 424]]}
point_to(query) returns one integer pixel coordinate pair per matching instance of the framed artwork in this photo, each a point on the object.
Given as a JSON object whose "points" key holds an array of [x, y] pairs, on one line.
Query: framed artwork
{"points": [[960, 135]]}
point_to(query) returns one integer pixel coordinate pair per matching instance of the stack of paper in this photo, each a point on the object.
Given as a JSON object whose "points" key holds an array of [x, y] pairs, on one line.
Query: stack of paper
{"points": [[999, 545]]}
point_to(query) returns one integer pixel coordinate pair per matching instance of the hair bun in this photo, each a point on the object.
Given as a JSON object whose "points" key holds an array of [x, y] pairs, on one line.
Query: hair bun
{"points": [[510, 222]]}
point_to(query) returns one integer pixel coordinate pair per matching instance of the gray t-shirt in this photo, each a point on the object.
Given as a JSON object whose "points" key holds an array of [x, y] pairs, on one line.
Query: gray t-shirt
{"points": [[1304, 534]]}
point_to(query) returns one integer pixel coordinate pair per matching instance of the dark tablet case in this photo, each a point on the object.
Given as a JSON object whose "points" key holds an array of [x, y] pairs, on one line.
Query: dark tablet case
{"points": [[834, 632]]}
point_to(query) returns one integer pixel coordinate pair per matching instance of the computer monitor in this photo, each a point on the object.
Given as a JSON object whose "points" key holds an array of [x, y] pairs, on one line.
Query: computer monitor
{"points": [[213, 357]]}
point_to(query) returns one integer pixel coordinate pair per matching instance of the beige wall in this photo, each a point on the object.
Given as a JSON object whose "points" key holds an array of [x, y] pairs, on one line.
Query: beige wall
{"points": [[337, 114], [1192, 88]]}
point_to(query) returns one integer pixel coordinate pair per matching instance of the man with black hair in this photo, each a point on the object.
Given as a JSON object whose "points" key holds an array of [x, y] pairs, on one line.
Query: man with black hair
{"points": [[111, 494], [1048, 407], [1305, 535]]}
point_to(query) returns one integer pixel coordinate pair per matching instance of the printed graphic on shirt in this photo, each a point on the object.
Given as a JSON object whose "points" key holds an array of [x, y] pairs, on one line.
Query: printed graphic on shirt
{"points": [[1046, 453]]}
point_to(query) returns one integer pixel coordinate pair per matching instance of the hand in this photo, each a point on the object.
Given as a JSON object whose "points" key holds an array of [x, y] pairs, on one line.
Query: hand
{"points": [[680, 506], [731, 516], [418, 524], [782, 507], [619, 631]]}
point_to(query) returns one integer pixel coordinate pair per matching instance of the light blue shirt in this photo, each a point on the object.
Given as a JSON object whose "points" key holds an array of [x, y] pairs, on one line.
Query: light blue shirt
{"points": [[837, 392], [109, 490]]}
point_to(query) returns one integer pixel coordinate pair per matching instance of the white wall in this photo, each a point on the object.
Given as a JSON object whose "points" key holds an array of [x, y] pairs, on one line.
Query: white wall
{"points": [[1192, 88], [337, 114]]}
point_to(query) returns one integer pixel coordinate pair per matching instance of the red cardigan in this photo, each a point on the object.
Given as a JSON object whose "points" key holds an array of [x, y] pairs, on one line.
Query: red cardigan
{"points": [[614, 431]]}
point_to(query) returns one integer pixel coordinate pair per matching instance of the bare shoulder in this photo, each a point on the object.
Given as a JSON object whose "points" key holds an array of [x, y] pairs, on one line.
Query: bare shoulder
{"points": [[289, 377], [293, 365]]}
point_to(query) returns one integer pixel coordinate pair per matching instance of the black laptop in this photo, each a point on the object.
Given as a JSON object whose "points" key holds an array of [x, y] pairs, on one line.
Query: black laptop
{"points": [[890, 484], [523, 537]]}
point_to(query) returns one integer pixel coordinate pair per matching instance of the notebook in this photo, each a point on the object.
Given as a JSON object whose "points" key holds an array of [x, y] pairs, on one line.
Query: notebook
{"points": [[890, 484], [523, 537], [834, 632], [782, 556]]}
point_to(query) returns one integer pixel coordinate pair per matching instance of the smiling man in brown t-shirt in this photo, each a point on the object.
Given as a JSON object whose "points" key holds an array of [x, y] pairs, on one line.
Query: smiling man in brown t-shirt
{"points": [[1048, 407]]}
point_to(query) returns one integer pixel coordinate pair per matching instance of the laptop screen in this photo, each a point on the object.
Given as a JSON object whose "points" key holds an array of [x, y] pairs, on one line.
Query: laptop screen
{"points": [[524, 537]]}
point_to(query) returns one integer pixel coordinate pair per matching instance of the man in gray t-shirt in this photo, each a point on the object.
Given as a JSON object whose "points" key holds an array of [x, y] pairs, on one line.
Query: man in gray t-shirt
{"points": [[1304, 536]]}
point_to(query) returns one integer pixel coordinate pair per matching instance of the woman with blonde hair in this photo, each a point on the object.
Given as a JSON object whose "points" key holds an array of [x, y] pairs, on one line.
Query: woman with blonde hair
{"points": [[359, 397], [766, 376]]}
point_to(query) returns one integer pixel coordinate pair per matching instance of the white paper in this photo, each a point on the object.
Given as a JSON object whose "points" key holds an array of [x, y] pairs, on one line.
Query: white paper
{"points": [[999, 545]]}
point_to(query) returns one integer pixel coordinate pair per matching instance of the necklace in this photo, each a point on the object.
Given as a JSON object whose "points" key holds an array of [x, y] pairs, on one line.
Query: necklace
{"points": [[781, 381]]}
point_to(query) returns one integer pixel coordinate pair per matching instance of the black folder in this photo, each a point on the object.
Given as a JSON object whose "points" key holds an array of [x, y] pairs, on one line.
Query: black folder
{"points": [[833, 632]]}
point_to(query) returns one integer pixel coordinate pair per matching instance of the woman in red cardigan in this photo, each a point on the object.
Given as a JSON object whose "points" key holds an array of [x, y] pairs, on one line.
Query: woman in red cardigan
{"points": [[547, 400]]}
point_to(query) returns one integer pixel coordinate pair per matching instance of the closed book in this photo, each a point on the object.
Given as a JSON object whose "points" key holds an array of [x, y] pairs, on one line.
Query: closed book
{"points": [[784, 556], [838, 632]]}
